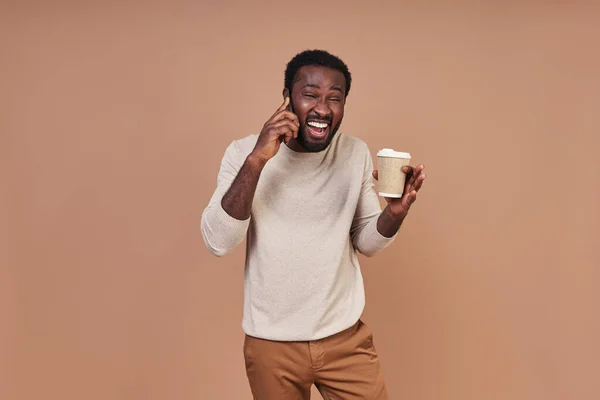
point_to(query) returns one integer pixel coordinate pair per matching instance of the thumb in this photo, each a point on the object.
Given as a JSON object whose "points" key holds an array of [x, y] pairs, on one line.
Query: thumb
{"points": [[375, 174]]}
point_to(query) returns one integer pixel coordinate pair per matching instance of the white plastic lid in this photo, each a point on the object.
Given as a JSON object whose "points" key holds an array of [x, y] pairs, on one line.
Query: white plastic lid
{"points": [[392, 153]]}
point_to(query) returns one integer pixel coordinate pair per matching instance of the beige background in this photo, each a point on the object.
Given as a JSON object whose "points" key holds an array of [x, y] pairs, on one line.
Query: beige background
{"points": [[114, 116]]}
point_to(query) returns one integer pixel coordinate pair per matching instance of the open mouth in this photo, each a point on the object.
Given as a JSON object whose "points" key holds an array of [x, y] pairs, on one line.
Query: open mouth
{"points": [[317, 129]]}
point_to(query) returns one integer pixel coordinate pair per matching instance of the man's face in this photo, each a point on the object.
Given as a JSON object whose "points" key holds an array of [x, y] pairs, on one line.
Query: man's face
{"points": [[318, 98]]}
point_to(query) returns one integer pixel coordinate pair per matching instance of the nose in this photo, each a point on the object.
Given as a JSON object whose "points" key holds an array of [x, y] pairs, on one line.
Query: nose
{"points": [[322, 108]]}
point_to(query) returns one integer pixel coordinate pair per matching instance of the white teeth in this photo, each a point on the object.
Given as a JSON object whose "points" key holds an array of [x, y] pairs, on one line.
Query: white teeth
{"points": [[321, 125]]}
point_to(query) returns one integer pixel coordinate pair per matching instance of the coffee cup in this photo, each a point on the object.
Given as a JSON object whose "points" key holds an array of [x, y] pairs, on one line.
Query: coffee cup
{"points": [[391, 178]]}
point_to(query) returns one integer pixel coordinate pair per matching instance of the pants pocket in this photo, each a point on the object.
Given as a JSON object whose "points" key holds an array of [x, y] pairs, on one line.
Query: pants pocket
{"points": [[247, 351], [366, 336]]}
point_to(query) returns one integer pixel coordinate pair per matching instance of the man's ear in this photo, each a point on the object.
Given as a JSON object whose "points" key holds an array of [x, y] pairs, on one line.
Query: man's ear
{"points": [[286, 93]]}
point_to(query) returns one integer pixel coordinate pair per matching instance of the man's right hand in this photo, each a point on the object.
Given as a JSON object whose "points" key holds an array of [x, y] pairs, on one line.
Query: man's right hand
{"points": [[281, 127]]}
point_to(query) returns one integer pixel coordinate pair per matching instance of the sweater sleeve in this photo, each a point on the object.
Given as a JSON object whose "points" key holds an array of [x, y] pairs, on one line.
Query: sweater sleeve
{"points": [[220, 231], [365, 236]]}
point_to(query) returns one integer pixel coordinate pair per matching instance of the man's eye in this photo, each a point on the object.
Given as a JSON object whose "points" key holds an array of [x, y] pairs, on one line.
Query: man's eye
{"points": [[312, 96], [335, 99]]}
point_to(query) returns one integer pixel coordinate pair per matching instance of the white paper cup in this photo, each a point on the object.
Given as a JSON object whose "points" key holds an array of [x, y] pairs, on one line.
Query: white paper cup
{"points": [[391, 178]]}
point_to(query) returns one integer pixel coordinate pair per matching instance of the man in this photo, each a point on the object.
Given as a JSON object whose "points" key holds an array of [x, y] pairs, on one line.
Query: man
{"points": [[304, 196]]}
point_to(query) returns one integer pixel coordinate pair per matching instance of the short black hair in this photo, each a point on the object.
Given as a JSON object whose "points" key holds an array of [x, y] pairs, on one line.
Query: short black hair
{"points": [[315, 57]]}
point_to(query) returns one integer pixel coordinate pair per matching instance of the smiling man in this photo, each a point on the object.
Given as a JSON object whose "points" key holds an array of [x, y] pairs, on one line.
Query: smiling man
{"points": [[303, 195]]}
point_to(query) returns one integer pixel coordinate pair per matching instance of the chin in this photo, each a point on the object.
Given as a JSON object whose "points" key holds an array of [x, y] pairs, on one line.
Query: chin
{"points": [[315, 147]]}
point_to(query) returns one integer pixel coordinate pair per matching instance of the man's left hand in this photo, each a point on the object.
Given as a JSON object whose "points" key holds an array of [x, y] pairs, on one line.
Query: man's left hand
{"points": [[414, 180]]}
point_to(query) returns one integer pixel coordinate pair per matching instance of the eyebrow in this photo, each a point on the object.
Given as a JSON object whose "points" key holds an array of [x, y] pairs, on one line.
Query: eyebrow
{"points": [[312, 85]]}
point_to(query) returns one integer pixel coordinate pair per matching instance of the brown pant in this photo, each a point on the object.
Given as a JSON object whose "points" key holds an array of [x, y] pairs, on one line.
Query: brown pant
{"points": [[343, 366]]}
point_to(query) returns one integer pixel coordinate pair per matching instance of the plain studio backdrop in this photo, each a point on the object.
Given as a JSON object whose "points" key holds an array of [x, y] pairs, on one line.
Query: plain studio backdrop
{"points": [[114, 117]]}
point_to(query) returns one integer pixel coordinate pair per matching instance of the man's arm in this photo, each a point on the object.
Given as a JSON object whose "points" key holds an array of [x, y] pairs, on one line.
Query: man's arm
{"points": [[364, 231], [393, 215], [373, 229], [237, 202], [220, 230], [388, 224], [226, 219], [282, 126]]}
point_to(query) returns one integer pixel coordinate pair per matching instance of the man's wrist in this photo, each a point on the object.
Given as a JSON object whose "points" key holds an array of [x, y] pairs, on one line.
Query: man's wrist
{"points": [[255, 162], [388, 223], [395, 217]]}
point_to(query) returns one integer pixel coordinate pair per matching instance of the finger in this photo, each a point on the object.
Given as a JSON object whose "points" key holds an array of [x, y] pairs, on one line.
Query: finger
{"points": [[419, 181], [417, 173], [273, 130], [289, 124], [285, 121], [410, 176], [414, 174], [375, 174], [409, 199], [288, 136], [284, 139], [282, 133], [285, 130], [282, 107], [285, 114]]}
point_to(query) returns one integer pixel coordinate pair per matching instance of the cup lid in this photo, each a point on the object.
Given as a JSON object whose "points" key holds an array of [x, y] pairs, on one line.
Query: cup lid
{"points": [[392, 153]]}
